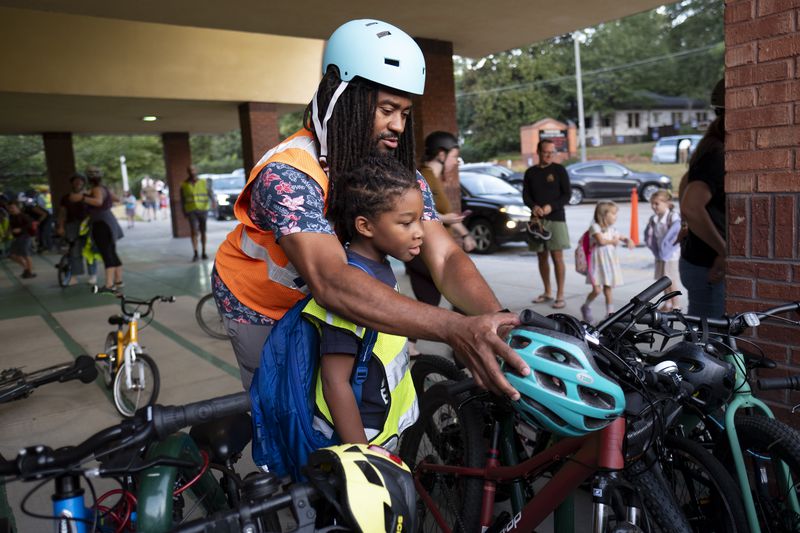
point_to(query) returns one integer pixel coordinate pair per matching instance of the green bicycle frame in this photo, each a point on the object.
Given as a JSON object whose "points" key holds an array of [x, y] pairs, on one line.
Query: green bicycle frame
{"points": [[154, 495], [743, 398]]}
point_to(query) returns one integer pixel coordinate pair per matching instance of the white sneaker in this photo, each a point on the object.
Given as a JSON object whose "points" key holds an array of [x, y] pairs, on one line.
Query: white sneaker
{"points": [[92, 280]]}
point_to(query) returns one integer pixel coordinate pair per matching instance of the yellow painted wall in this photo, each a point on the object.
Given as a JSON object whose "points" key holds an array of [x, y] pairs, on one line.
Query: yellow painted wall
{"points": [[52, 53]]}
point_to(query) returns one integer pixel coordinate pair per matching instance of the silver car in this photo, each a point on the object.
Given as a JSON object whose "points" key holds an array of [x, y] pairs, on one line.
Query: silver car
{"points": [[666, 149]]}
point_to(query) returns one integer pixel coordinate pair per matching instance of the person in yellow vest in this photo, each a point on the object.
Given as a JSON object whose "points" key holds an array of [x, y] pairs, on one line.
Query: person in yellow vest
{"points": [[377, 211], [196, 200], [284, 247]]}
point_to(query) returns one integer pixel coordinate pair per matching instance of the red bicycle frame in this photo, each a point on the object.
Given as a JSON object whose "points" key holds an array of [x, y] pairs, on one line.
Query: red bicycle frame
{"points": [[601, 450]]}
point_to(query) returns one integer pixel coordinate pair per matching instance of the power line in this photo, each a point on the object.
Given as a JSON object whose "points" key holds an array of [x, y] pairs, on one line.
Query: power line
{"points": [[599, 71]]}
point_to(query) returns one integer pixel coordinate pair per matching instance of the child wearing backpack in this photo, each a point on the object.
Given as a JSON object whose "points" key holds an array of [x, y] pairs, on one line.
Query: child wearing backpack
{"points": [[660, 235], [376, 210], [604, 270]]}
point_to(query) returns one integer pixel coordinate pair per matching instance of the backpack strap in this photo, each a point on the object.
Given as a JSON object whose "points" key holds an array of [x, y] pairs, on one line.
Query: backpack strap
{"points": [[361, 369]]}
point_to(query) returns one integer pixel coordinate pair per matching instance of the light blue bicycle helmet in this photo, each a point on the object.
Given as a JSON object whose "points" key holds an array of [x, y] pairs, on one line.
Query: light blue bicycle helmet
{"points": [[378, 52], [565, 393]]}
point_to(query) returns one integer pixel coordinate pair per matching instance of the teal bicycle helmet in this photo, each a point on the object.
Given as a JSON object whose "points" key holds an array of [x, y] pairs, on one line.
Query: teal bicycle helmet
{"points": [[378, 52], [565, 393]]}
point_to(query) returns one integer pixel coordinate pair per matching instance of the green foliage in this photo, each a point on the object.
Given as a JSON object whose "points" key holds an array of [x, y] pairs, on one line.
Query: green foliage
{"points": [[290, 123], [21, 162], [217, 154], [675, 50]]}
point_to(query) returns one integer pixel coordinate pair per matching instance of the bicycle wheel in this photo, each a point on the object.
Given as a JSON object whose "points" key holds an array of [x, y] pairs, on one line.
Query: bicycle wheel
{"points": [[447, 434], [64, 271], [209, 319], [427, 370], [661, 507], [766, 443], [706, 492], [106, 366], [144, 390]]}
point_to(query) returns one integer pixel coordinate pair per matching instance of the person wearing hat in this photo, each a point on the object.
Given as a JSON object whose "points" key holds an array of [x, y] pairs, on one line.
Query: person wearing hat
{"points": [[284, 247], [702, 203]]}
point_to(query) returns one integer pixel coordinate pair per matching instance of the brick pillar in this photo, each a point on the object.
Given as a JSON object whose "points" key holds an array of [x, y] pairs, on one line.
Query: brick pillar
{"points": [[60, 159], [259, 125], [177, 158], [762, 163], [436, 109]]}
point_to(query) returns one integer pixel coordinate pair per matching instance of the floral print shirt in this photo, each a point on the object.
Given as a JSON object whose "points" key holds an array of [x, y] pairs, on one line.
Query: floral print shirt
{"points": [[285, 200]]}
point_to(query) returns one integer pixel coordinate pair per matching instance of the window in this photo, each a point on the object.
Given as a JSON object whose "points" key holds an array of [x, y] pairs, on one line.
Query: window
{"points": [[633, 120], [588, 123], [606, 121], [613, 171], [677, 118], [701, 116], [656, 117], [594, 169]]}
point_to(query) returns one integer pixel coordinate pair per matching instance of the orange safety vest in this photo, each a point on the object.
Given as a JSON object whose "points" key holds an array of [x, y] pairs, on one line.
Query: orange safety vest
{"points": [[250, 261]]}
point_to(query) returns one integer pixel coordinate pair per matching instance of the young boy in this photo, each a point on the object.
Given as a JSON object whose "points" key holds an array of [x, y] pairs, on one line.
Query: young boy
{"points": [[376, 211], [21, 226]]}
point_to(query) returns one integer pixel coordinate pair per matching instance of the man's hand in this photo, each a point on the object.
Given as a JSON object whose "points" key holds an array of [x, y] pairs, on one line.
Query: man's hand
{"points": [[717, 271], [476, 341], [538, 211]]}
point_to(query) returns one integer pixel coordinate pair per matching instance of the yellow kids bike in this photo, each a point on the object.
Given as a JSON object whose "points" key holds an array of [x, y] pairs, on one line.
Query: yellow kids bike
{"points": [[125, 367]]}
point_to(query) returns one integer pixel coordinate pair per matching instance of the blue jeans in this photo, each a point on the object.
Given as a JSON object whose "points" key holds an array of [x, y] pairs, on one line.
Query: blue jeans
{"points": [[705, 299]]}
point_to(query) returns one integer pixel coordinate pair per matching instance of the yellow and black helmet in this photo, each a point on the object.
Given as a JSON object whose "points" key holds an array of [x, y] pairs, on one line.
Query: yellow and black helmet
{"points": [[372, 489]]}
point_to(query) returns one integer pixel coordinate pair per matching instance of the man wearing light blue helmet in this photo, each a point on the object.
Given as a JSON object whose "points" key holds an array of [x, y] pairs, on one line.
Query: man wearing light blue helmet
{"points": [[284, 246]]}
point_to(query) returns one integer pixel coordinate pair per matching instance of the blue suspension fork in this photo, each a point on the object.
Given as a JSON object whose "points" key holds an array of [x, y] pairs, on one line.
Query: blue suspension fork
{"points": [[68, 504]]}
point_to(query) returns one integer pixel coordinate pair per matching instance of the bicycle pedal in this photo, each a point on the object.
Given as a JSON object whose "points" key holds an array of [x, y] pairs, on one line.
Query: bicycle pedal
{"points": [[101, 356]]}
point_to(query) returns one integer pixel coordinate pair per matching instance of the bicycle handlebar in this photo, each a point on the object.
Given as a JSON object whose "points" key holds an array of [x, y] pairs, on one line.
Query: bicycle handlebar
{"points": [[735, 324], [125, 302], [152, 421], [787, 382]]}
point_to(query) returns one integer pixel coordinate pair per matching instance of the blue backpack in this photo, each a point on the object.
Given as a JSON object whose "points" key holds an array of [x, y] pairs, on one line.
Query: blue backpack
{"points": [[282, 391]]}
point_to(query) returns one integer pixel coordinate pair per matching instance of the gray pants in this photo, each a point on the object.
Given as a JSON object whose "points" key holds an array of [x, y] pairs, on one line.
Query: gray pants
{"points": [[248, 341]]}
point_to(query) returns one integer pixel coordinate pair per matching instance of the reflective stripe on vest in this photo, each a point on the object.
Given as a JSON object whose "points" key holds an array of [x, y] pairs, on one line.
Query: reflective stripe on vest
{"points": [[391, 351], [286, 276], [195, 195], [250, 261]]}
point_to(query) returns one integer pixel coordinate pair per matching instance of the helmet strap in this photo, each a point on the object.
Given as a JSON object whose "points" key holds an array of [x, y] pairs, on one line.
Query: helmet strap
{"points": [[322, 129]]}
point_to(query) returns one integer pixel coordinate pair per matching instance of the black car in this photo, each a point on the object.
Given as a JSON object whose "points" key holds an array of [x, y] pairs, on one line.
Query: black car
{"points": [[497, 215], [498, 171], [227, 188], [609, 180]]}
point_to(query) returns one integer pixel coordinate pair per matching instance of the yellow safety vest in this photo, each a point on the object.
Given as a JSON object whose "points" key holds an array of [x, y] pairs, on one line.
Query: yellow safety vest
{"points": [[195, 195], [392, 353]]}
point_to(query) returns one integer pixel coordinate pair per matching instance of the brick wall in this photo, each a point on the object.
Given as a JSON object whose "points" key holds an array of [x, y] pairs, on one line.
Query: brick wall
{"points": [[762, 161]]}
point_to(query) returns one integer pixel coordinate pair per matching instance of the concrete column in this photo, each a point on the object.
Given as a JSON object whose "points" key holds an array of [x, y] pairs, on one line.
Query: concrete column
{"points": [[259, 124], [177, 157], [436, 109], [60, 159]]}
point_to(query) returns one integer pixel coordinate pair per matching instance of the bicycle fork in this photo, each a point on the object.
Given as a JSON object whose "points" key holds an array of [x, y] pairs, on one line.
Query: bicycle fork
{"points": [[607, 499]]}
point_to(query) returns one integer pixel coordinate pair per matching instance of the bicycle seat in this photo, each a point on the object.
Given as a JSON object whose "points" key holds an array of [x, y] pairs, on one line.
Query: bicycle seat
{"points": [[225, 437], [117, 320]]}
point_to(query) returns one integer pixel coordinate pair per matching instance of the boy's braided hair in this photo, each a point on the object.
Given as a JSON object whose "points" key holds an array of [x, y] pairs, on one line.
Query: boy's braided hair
{"points": [[369, 190]]}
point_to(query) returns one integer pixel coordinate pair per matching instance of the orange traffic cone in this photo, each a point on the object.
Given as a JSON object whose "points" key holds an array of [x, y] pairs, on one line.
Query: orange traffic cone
{"points": [[635, 216]]}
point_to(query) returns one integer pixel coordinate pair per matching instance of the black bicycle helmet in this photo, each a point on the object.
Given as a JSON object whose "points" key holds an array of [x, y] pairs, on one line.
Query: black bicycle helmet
{"points": [[712, 378], [439, 140], [372, 489], [718, 97]]}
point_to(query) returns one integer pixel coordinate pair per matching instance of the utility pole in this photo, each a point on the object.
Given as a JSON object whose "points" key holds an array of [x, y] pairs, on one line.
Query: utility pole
{"points": [[124, 170], [579, 82]]}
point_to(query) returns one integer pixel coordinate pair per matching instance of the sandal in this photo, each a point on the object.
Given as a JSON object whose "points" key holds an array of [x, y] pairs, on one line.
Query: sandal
{"points": [[542, 298], [559, 304]]}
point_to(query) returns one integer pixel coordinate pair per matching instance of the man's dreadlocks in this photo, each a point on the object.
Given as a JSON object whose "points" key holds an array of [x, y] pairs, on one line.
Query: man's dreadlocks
{"points": [[350, 128]]}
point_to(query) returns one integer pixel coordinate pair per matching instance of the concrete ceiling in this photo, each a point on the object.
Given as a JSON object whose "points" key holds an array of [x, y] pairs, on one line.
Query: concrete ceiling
{"points": [[98, 66], [475, 27]]}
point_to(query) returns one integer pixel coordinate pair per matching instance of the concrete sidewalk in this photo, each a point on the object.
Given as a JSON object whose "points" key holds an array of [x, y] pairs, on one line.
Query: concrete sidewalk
{"points": [[42, 324]]}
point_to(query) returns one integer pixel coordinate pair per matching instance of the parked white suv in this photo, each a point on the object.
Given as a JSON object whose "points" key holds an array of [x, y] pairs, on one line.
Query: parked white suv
{"points": [[666, 149]]}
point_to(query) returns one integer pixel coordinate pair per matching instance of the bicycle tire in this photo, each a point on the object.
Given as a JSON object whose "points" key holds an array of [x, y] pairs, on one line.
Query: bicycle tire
{"points": [[209, 319], [458, 441], [64, 272], [659, 502], [106, 366], [764, 439], [127, 402], [427, 370], [706, 492]]}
